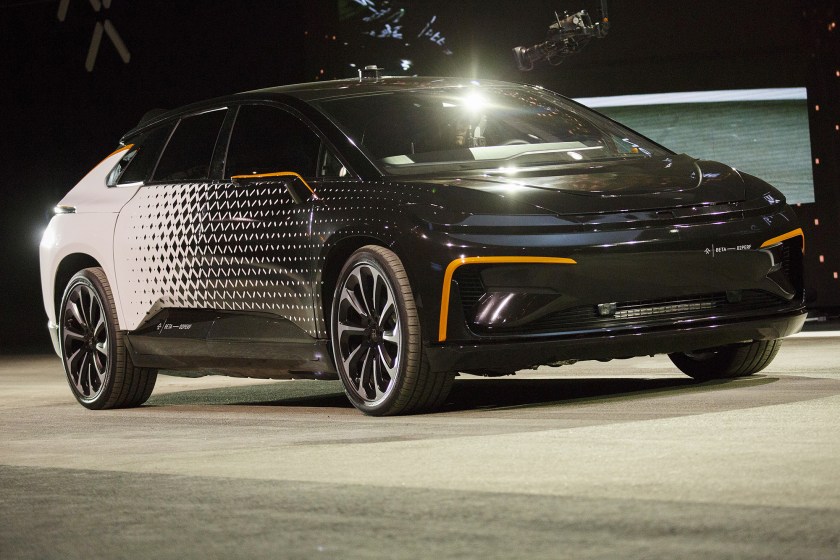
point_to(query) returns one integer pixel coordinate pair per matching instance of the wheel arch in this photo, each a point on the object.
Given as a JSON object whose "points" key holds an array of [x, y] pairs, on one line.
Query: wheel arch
{"points": [[334, 260], [401, 239], [66, 269]]}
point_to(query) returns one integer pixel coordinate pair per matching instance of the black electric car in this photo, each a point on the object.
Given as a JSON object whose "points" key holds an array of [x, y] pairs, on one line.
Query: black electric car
{"points": [[397, 232]]}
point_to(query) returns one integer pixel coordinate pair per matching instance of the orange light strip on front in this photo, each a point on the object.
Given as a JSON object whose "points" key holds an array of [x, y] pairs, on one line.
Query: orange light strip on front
{"points": [[450, 270], [785, 237], [276, 174]]}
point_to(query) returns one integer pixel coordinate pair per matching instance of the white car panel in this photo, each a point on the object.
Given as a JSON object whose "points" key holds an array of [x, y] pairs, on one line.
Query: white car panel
{"points": [[87, 228], [91, 194]]}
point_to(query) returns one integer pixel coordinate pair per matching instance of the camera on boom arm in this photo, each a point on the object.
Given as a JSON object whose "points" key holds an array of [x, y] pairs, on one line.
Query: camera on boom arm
{"points": [[567, 35]]}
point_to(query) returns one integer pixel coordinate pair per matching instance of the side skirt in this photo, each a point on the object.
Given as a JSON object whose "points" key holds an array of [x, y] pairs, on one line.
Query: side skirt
{"points": [[194, 343]]}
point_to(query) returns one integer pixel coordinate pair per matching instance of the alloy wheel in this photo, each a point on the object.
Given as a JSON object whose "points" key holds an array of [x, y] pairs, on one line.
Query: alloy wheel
{"points": [[369, 333], [85, 341]]}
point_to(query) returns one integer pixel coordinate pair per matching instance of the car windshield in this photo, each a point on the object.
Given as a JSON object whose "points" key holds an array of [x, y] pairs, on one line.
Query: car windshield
{"points": [[477, 127]]}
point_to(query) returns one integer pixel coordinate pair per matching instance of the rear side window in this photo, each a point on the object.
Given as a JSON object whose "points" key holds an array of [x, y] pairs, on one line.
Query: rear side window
{"points": [[137, 163], [267, 140], [189, 152]]}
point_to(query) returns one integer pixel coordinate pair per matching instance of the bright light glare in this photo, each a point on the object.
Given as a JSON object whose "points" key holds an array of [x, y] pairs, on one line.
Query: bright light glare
{"points": [[474, 102], [575, 156], [47, 237]]}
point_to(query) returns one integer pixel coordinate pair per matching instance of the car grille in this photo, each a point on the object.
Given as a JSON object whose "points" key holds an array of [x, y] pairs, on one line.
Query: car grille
{"points": [[652, 312], [665, 309], [649, 313]]}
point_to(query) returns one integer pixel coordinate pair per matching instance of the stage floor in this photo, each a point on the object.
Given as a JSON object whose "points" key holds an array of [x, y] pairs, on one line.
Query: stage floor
{"points": [[623, 459]]}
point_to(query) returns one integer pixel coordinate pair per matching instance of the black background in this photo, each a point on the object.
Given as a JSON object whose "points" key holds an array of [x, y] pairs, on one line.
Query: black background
{"points": [[59, 120]]}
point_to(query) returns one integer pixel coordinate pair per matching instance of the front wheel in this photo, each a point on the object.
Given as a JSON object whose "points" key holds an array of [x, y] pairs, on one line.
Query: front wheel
{"points": [[734, 360], [376, 338], [98, 369]]}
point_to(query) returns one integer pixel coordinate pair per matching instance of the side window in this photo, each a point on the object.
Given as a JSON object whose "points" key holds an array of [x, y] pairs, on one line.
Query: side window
{"points": [[267, 140], [138, 162], [329, 165], [189, 152]]}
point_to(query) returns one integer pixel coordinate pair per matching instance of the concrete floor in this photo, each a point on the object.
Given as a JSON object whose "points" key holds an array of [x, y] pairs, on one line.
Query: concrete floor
{"points": [[626, 459]]}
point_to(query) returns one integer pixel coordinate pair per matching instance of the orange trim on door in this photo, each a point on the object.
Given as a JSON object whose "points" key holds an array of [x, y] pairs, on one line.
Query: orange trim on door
{"points": [[275, 174]]}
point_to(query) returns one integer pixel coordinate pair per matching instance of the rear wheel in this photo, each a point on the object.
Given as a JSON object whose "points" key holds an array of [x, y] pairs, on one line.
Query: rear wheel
{"points": [[376, 338], [98, 369], [735, 360]]}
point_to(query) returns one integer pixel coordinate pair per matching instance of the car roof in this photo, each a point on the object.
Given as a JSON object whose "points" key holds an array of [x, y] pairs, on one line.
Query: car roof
{"points": [[314, 91], [339, 88]]}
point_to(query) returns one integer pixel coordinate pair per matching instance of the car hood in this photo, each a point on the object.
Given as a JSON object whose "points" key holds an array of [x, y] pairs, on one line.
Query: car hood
{"points": [[597, 187]]}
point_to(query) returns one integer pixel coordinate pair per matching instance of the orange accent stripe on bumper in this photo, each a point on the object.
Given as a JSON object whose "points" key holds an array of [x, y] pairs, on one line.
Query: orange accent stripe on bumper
{"points": [[785, 237], [450, 270]]}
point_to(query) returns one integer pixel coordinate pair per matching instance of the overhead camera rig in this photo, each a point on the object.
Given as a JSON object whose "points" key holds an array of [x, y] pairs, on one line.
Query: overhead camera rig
{"points": [[567, 35]]}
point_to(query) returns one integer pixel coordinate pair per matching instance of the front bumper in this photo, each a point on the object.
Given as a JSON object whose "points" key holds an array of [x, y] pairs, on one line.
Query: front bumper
{"points": [[500, 357]]}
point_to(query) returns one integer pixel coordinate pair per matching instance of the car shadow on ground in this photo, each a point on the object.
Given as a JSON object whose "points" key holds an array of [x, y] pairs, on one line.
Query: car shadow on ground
{"points": [[503, 393], [468, 394]]}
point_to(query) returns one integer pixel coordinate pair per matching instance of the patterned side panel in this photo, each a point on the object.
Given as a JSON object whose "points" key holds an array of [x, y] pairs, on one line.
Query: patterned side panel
{"points": [[353, 208], [215, 246]]}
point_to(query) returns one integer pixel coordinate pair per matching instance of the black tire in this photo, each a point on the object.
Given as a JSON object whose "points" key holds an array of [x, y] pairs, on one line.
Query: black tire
{"points": [[735, 360], [376, 339], [98, 368]]}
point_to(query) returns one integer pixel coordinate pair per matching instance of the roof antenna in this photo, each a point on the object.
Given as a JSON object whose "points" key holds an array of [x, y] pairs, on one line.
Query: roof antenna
{"points": [[370, 73]]}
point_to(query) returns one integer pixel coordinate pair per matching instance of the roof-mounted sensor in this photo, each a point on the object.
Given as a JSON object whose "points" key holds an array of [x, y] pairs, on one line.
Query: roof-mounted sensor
{"points": [[370, 73]]}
